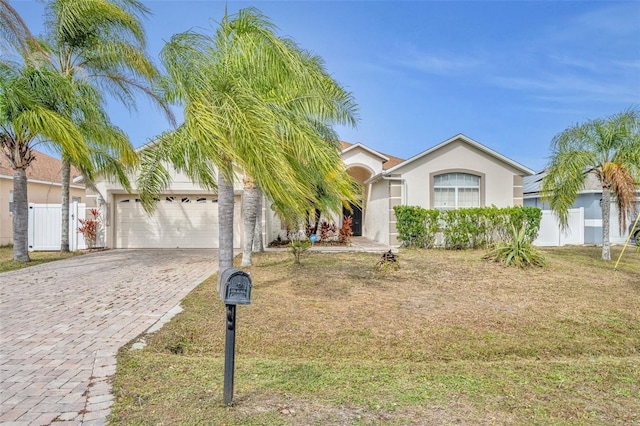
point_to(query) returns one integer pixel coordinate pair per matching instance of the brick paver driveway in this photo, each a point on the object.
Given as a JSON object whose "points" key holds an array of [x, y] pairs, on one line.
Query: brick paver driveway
{"points": [[61, 324]]}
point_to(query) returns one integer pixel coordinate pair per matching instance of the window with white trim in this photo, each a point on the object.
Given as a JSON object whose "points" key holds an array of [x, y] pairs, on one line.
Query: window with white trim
{"points": [[456, 190]]}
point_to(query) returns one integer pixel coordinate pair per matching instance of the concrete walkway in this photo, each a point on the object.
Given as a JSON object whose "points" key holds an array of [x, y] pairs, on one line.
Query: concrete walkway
{"points": [[358, 244], [61, 324]]}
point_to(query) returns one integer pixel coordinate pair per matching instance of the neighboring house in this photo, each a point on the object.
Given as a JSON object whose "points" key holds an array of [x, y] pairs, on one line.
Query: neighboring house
{"points": [[458, 172], [589, 199], [43, 187]]}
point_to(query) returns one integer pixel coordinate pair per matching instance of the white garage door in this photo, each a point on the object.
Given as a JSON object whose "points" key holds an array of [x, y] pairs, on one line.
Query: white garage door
{"points": [[179, 221]]}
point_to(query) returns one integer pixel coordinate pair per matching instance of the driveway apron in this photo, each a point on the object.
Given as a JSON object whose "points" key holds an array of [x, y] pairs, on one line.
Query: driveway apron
{"points": [[61, 324]]}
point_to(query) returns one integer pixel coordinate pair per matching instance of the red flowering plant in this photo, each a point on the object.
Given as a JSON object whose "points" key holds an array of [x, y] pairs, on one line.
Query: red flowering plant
{"points": [[89, 228], [345, 231]]}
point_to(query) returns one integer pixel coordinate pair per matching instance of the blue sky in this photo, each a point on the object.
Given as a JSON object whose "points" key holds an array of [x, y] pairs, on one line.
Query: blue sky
{"points": [[509, 74]]}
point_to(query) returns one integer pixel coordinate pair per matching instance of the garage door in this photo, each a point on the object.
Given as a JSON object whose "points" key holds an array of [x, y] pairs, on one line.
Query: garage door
{"points": [[179, 221]]}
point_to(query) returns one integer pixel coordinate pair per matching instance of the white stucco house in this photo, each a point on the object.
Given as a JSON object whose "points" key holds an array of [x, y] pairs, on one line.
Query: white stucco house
{"points": [[458, 172]]}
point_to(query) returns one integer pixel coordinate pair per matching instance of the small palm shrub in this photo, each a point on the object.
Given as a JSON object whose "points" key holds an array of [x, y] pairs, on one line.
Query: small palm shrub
{"points": [[518, 251], [298, 248]]}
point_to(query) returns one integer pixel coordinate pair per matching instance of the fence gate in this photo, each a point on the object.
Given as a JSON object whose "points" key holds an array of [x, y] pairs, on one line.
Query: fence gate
{"points": [[551, 233], [45, 226]]}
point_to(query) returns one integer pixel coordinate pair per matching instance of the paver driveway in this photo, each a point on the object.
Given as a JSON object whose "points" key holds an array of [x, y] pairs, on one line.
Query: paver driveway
{"points": [[61, 324]]}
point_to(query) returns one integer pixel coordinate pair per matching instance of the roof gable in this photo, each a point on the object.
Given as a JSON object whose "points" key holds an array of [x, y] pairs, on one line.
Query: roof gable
{"points": [[462, 138], [353, 147], [388, 161]]}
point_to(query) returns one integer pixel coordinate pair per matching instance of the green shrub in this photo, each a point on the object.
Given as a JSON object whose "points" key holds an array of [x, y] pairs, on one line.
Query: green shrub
{"points": [[518, 252], [529, 217], [431, 226], [416, 226], [464, 228], [486, 226]]}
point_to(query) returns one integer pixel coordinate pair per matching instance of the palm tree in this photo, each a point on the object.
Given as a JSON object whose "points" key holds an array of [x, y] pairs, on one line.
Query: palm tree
{"points": [[233, 85], [320, 102], [100, 45], [251, 206], [93, 45], [27, 95], [27, 117], [325, 195], [608, 148]]}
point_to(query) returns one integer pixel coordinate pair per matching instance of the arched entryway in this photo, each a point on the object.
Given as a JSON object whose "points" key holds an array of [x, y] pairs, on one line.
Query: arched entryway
{"points": [[358, 213]]}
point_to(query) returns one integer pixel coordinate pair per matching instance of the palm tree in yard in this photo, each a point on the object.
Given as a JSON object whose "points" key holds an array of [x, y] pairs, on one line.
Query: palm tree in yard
{"points": [[30, 99], [254, 101], [608, 148], [325, 194], [28, 117], [92, 46], [99, 45], [319, 102]]}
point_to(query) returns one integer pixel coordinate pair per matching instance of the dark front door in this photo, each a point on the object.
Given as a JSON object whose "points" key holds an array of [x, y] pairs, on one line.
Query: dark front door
{"points": [[356, 219]]}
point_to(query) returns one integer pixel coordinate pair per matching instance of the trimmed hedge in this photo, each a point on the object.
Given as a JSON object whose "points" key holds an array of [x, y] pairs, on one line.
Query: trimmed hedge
{"points": [[417, 227], [464, 228]]}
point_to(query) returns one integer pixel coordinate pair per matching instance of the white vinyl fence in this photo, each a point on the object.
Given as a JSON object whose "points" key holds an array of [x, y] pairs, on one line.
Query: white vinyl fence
{"points": [[45, 226], [551, 233]]}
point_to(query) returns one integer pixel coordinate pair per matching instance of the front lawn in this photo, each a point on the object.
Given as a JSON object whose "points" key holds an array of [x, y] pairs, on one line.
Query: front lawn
{"points": [[447, 339], [37, 257]]}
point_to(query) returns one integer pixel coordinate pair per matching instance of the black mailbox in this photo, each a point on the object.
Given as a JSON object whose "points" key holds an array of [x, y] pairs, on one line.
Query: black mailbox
{"points": [[234, 287]]}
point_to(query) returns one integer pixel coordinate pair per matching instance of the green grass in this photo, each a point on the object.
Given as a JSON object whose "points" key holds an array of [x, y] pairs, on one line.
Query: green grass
{"points": [[37, 257], [447, 339]]}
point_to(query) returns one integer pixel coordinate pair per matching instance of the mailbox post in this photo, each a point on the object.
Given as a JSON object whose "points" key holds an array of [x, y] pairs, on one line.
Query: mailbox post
{"points": [[234, 288]]}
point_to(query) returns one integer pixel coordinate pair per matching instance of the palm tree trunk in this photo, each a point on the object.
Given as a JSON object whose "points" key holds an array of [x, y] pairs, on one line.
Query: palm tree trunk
{"points": [[20, 217], [606, 209], [317, 220], [258, 244], [250, 200], [225, 223], [65, 176]]}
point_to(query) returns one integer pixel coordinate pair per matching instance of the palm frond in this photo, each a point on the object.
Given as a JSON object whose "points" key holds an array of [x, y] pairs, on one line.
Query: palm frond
{"points": [[257, 101], [16, 34], [625, 189], [56, 128], [86, 22]]}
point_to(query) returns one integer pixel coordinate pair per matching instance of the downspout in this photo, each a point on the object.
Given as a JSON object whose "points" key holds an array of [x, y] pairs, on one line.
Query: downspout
{"points": [[404, 187], [403, 202], [404, 192]]}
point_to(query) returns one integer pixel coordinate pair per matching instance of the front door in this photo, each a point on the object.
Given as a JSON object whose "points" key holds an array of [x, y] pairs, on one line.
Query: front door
{"points": [[356, 219]]}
